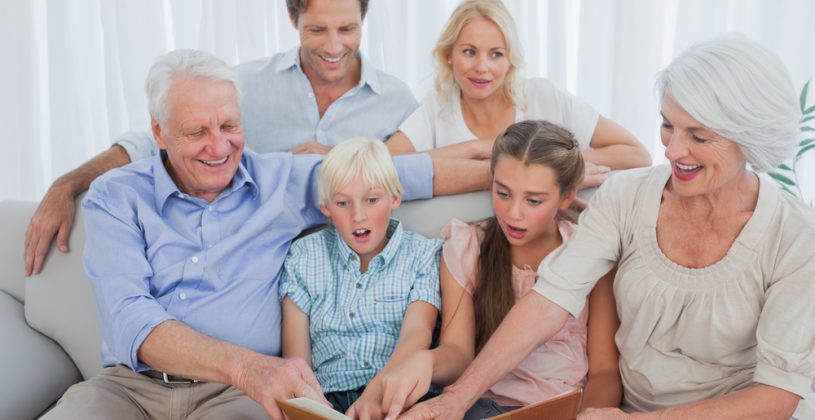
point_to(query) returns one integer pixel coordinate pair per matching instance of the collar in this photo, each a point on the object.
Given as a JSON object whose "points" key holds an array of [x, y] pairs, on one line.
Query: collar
{"points": [[368, 74], [395, 234], [166, 187]]}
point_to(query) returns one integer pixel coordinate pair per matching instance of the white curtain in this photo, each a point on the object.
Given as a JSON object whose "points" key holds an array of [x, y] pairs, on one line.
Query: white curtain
{"points": [[73, 69]]}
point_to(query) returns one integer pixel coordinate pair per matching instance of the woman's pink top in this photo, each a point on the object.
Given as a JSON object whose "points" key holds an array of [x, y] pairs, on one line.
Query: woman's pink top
{"points": [[557, 365]]}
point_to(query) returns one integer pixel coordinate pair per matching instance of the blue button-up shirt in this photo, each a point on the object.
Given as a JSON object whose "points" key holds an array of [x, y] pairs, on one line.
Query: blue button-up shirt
{"points": [[153, 253], [355, 318], [279, 110]]}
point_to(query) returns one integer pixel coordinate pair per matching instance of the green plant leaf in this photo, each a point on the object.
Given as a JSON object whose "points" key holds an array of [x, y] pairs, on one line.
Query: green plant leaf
{"points": [[788, 190], [804, 93], [806, 142], [804, 150], [809, 110], [781, 178], [809, 118], [807, 129], [784, 167]]}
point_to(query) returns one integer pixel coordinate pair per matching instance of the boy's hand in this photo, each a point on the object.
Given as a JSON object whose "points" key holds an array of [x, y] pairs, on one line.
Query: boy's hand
{"points": [[369, 405], [406, 383]]}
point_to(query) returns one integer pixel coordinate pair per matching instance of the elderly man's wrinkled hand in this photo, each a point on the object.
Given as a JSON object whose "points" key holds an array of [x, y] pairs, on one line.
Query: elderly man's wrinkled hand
{"points": [[54, 217], [311, 147], [267, 379]]}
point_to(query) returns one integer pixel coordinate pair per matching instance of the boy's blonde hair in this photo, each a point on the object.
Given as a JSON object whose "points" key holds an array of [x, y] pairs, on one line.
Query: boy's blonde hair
{"points": [[357, 156]]}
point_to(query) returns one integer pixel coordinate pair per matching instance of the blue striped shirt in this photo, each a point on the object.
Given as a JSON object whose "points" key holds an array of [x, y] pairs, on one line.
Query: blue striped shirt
{"points": [[355, 318]]}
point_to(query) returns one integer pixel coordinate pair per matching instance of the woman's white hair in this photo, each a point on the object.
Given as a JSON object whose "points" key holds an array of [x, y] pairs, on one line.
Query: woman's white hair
{"points": [[357, 156], [183, 63], [740, 90]]}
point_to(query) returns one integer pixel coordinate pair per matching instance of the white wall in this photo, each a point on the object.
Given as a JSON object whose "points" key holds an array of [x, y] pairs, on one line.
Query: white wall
{"points": [[74, 69]]}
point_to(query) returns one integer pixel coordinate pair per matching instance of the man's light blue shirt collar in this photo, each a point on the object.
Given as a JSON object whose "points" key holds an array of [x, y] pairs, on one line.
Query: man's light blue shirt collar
{"points": [[394, 235], [368, 74], [166, 187]]}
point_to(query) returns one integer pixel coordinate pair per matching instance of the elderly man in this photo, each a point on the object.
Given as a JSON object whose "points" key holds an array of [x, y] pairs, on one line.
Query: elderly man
{"points": [[184, 251], [305, 100]]}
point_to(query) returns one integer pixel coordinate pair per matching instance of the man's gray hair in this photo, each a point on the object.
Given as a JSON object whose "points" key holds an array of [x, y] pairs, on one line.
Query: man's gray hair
{"points": [[741, 91], [183, 63]]}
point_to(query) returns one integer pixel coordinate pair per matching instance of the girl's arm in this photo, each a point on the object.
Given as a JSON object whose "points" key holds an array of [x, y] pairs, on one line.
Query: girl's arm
{"points": [[615, 147], [603, 387], [296, 339]]}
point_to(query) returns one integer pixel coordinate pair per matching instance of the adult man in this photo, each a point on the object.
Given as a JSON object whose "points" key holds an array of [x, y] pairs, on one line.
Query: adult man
{"points": [[307, 100], [184, 251]]}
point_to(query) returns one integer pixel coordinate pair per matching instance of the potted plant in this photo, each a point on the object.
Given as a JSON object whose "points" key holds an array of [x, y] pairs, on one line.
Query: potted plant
{"points": [[787, 174]]}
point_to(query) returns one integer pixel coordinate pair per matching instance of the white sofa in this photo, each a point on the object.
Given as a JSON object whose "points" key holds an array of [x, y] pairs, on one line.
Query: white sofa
{"points": [[49, 332]]}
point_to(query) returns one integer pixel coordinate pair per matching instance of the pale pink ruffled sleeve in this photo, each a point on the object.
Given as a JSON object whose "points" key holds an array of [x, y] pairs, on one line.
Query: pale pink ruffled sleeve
{"points": [[461, 251]]}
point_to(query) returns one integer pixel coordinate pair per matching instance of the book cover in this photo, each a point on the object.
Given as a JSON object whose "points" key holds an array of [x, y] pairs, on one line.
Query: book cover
{"points": [[559, 407], [306, 409]]}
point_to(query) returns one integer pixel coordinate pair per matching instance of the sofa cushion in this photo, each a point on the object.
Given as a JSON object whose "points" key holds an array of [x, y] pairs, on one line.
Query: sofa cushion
{"points": [[59, 303], [428, 217], [35, 369]]}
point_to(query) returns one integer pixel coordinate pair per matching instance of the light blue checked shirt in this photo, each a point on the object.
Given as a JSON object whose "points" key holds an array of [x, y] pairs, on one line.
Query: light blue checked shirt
{"points": [[153, 253], [355, 318], [279, 111]]}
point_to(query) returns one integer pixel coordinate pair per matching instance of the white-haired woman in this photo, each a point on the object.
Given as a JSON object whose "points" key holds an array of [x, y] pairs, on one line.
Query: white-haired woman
{"points": [[479, 93], [714, 286]]}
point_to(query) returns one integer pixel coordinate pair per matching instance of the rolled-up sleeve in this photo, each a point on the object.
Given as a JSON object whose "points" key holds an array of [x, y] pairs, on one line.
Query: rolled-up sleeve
{"points": [[426, 284], [137, 144], [567, 274], [115, 262], [291, 281], [416, 175], [785, 335]]}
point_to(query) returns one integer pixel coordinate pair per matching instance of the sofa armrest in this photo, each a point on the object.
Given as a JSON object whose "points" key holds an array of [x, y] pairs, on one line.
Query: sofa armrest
{"points": [[14, 217], [35, 369]]}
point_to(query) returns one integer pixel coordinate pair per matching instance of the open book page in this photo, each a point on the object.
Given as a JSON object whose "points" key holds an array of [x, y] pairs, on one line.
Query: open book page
{"points": [[305, 409], [560, 407]]}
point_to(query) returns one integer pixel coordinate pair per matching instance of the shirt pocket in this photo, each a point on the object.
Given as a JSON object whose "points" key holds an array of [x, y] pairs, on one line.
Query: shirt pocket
{"points": [[386, 308]]}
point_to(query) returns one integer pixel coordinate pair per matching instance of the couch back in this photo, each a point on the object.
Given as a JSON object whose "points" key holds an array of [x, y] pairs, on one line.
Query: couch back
{"points": [[59, 301]]}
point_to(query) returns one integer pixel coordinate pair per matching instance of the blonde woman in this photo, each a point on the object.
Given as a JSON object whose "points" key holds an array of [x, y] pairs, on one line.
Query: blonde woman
{"points": [[479, 93]]}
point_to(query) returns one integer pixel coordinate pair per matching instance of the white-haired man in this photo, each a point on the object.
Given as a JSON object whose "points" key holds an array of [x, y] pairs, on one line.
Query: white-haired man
{"points": [[184, 251]]}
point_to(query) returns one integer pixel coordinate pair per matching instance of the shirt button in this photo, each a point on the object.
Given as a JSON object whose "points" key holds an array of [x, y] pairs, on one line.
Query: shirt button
{"points": [[359, 285], [209, 246], [209, 208], [194, 259], [366, 364], [182, 295], [352, 315], [181, 195], [354, 257]]}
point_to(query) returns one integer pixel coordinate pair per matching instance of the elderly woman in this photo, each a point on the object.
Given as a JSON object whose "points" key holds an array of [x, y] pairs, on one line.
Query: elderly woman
{"points": [[716, 276]]}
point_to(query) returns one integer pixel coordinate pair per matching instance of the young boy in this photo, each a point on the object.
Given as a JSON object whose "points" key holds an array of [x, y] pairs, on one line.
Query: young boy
{"points": [[364, 293]]}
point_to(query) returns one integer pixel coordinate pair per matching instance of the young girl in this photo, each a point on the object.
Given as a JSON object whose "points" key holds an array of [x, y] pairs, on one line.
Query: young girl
{"points": [[487, 266]]}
